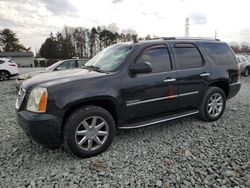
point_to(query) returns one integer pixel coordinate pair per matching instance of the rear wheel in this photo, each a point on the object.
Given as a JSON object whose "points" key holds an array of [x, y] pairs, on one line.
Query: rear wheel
{"points": [[213, 104], [4, 75], [89, 131], [246, 72]]}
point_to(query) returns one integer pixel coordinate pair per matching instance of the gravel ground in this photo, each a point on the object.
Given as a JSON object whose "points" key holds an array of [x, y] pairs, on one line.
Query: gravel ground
{"points": [[182, 153]]}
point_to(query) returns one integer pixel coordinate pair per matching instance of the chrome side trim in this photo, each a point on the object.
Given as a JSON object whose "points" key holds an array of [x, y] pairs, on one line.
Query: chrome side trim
{"points": [[189, 93], [151, 100], [162, 98], [233, 84], [160, 121], [169, 80]]}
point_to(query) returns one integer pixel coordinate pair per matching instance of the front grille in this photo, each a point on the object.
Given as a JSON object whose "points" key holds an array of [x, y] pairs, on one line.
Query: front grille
{"points": [[20, 97]]}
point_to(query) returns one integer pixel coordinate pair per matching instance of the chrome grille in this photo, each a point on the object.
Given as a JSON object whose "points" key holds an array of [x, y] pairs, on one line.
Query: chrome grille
{"points": [[20, 97]]}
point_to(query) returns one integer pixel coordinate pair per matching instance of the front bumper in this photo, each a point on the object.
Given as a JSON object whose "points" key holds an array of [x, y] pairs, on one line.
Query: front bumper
{"points": [[233, 89], [43, 128], [13, 75]]}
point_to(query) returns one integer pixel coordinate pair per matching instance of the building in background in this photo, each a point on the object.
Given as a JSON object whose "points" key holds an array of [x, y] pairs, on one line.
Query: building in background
{"points": [[23, 59], [41, 62]]}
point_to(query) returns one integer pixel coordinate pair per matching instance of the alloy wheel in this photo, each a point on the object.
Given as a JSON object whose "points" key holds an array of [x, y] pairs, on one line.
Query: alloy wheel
{"points": [[91, 133], [4, 76], [215, 105]]}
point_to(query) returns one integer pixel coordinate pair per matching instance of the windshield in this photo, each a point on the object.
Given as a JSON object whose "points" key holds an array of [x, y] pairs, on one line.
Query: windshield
{"points": [[51, 67], [110, 58]]}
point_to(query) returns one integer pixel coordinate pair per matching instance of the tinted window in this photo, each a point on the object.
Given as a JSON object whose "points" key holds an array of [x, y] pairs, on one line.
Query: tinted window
{"points": [[220, 54], [158, 57], [187, 56], [67, 65], [82, 62], [11, 61]]}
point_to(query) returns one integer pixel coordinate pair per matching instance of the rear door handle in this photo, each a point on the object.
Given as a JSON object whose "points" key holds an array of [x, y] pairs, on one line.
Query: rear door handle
{"points": [[169, 80], [204, 74]]}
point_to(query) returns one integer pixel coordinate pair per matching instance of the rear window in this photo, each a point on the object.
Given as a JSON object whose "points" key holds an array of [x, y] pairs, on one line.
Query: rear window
{"points": [[187, 56], [220, 54]]}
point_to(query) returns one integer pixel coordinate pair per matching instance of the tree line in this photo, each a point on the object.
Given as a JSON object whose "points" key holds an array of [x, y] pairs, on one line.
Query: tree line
{"points": [[10, 43], [83, 42], [240, 48]]}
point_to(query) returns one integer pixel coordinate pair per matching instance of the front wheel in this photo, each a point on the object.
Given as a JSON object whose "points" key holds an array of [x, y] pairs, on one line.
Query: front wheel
{"points": [[4, 75], [213, 104], [89, 131]]}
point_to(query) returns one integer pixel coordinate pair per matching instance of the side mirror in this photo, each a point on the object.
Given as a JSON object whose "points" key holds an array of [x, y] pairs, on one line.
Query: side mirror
{"points": [[144, 67]]}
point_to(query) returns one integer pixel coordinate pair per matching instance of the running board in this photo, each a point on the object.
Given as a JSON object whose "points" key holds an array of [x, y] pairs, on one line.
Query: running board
{"points": [[159, 120]]}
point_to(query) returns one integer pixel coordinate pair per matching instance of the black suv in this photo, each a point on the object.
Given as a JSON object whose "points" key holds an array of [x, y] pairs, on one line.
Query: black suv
{"points": [[128, 85]]}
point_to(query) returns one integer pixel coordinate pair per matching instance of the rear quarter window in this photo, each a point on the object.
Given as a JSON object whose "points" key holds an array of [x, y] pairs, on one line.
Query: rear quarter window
{"points": [[1, 61], [220, 53]]}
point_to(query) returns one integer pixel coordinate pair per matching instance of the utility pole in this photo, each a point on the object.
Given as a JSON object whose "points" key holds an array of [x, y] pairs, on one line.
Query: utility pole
{"points": [[187, 27]]}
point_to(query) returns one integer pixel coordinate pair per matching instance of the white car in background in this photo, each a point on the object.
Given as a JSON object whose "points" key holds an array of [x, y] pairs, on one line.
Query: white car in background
{"points": [[60, 65], [8, 68]]}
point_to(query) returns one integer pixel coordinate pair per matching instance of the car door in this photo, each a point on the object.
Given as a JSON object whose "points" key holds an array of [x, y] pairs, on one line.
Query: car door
{"points": [[150, 93], [192, 72]]}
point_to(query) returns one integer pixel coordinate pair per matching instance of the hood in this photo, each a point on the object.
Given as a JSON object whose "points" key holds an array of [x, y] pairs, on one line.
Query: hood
{"points": [[28, 75], [36, 72], [58, 77]]}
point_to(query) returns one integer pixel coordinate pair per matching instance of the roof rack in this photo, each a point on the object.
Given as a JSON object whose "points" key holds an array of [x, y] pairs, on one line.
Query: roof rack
{"points": [[187, 38]]}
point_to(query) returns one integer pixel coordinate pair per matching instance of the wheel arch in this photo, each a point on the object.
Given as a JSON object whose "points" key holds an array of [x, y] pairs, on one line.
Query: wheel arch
{"points": [[105, 102], [222, 84], [4, 70]]}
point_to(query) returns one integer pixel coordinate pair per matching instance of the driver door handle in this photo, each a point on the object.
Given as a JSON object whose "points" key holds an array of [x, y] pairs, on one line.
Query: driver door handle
{"points": [[204, 74]]}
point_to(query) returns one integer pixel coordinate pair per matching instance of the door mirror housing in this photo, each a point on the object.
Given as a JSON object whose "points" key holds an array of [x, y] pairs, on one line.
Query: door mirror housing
{"points": [[144, 67]]}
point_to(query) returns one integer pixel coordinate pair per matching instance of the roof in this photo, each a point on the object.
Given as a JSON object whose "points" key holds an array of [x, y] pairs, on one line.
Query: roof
{"points": [[179, 39], [16, 54]]}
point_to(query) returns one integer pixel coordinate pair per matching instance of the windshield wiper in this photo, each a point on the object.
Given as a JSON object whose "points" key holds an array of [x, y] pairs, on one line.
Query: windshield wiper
{"points": [[98, 69]]}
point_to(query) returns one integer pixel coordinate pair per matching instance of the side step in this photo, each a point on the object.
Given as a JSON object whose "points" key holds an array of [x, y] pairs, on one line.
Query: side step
{"points": [[159, 120]]}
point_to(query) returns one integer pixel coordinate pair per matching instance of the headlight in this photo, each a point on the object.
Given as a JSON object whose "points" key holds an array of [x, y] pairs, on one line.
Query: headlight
{"points": [[23, 76], [37, 101]]}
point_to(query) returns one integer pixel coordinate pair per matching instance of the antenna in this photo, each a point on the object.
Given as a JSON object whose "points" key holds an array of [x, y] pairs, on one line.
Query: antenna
{"points": [[187, 27]]}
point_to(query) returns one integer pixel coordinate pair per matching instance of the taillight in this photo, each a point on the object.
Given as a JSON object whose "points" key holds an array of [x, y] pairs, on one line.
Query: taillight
{"points": [[13, 65], [238, 72]]}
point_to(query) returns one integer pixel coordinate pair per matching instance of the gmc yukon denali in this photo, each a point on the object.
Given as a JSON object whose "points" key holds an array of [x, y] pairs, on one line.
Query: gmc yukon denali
{"points": [[125, 86]]}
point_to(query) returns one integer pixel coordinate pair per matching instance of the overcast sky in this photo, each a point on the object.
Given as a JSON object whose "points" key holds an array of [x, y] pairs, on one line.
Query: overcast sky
{"points": [[33, 20]]}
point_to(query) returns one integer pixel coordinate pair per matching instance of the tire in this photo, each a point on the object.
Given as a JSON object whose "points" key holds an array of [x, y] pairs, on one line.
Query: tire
{"points": [[246, 71], [213, 104], [4, 75], [88, 131]]}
